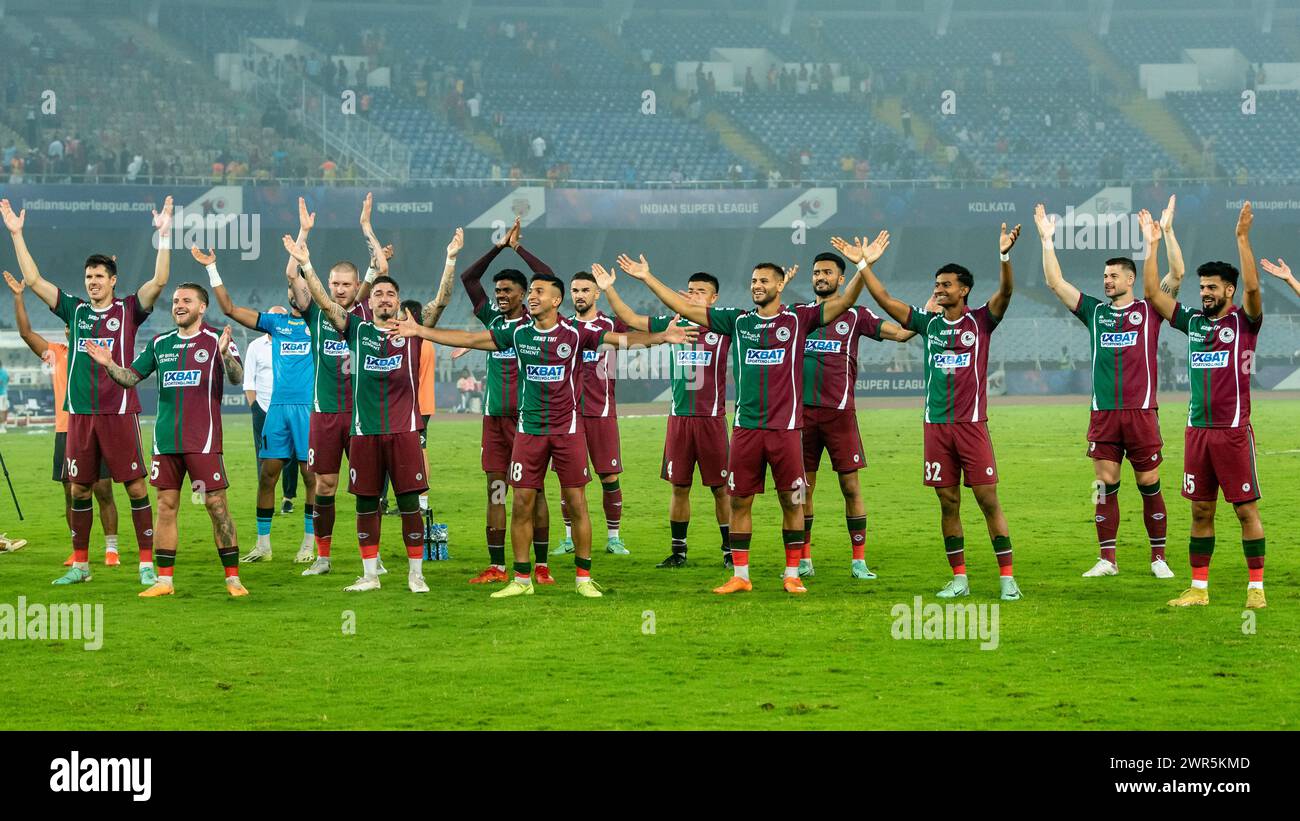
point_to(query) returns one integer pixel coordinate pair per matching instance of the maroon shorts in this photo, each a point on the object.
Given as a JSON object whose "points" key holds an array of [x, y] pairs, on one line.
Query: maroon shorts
{"points": [[497, 442], [327, 441], [602, 444], [565, 452], [691, 441], [1114, 434], [955, 448], [111, 437], [1220, 457], [751, 453], [836, 431], [397, 455], [207, 471]]}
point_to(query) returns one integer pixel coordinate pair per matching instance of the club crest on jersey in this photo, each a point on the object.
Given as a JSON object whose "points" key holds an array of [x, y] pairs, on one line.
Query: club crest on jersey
{"points": [[563, 350], [949, 361], [711, 338], [590, 356], [201, 356], [822, 345], [694, 357], [1135, 317], [1226, 335], [335, 347], [841, 327], [766, 356], [181, 379], [103, 343], [398, 342], [1119, 339], [544, 373], [383, 363], [294, 348], [113, 323], [783, 334], [1209, 359], [968, 338]]}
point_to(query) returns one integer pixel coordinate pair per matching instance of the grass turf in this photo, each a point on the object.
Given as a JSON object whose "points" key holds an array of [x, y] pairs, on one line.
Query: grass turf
{"points": [[1075, 653]]}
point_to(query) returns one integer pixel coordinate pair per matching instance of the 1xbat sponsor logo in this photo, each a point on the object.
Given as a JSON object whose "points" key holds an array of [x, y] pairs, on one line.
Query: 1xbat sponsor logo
{"points": [[1122, 339], [103, 343], [292, 348], [951, 360], [335, 347], [694, 358], [181, 379], [823, 346], [383, 363], [544, 373], [1209, 359], [765, 356]]}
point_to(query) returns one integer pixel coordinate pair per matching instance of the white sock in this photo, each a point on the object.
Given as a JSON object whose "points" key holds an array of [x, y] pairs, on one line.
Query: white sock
{"points": [[264, 541], [742, 571], [424, 501], [568, 531], [613, 532], [82, 565], [167, 580], [1254, 585], [370, 567], [500, 567], [229, 579], [149, 565], [110, 543], [1199, 584], [416, 567]]}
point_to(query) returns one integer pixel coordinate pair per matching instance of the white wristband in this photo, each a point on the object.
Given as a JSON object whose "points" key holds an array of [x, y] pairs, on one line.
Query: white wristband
{"points": [[1004, 257], [306, 267], [450, 263], [862, 263], [164, 241], [214, 279], [371, 273]]}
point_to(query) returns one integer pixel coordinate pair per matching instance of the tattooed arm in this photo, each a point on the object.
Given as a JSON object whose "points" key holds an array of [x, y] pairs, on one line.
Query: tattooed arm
{"points": [[126, 377]]}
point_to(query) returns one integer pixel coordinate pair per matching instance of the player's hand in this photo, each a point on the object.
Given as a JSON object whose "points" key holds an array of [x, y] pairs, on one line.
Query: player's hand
{"points": [[932, 305], [406, 326], [679, 335], [850, 251], [366, 205], [1006, 241], [98, 353], [17, 285], [516, 233], [1046, 225], [297, 250], [1150, 228], [873, 252], [637, 269], [201, 257], [789, 275], [306, 219], [1244, 220], [14, 222], [226, 340], [163, 220], [387, 251], [1167, 215], [1280, 270], [508, 235], [604, 278], [457, 243]]}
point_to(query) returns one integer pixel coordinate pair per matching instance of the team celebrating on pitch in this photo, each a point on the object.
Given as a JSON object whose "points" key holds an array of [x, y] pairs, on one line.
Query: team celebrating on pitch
{"points": [[349, 360]]}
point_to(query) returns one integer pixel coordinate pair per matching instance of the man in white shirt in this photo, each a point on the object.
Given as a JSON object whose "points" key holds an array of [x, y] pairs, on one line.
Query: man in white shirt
{"points": [[258, 384]]}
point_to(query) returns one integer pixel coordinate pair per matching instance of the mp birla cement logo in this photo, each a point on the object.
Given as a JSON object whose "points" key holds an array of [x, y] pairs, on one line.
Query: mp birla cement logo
{"points": [[124, 775]]}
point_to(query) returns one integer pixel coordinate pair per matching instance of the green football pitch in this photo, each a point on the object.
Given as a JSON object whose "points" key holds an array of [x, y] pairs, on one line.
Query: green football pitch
{"points": [[662, 651]]}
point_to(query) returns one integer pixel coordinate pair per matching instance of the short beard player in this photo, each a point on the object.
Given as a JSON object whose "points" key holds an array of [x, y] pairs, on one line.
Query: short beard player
{"points": [[385, 432], [697, 424], [501, 405], [103, 422], [599, 413], [331, 407], [768, 343], [1124, 336], [1219, 442], [830, 418], [549, 350], [190, 362], [956, 431]]}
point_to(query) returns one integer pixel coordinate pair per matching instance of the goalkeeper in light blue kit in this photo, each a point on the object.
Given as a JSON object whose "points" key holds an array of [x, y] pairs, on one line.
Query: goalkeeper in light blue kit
{"points": [[284, 433]]}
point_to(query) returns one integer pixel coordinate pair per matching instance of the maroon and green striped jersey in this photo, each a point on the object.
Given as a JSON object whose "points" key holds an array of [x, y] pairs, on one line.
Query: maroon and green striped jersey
{"points": [[501, 385], [956, 362], [599, 368], [90, 389], [1124, 341], [385, 379], [1220, 361], [768, 353], [191, 374], [830, 358], [332, 392], [550, 367], [698, 374]]}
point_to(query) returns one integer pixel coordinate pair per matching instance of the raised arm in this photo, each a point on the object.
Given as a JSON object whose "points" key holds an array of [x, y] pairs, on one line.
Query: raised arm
{"points": [[31, 274], [534, 264], [1282, 271], [125, 377], [433, 310], [480, 340], [840, 303], [855, 253], [34, 340], [895, 333], [622, 310], [1173, 251], [244, 316], [234, 367], [300, 296], [472, 276], [1067, 293], [378, 254], [1252, 298], [1001, 299], [162, 223], [1164, 303], [640, 269], [337, 316]]}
